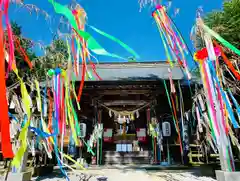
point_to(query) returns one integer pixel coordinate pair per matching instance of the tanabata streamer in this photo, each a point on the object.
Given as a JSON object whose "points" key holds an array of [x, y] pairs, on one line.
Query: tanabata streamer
{"points": [[116, 40], [228, 62], [174, 115], [220, 39], [10, 36], [23, 134], [223, 94], [22, 52], [92, 44], [4, 119], [172, 38], [209, 98], [217, 99], [234, 101]]}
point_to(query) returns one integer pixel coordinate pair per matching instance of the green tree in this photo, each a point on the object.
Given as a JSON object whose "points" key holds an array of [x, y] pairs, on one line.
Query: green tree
{"points": [[55, 56], [225, 22], [26, 45]]}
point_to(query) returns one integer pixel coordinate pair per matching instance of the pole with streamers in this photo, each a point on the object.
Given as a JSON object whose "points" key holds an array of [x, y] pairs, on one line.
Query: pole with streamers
{"points": [[175, 48], [219, 106]]}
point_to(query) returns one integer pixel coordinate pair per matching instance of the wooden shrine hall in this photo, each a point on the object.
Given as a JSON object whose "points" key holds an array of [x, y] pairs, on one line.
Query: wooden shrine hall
{"points": [[130, 96]]}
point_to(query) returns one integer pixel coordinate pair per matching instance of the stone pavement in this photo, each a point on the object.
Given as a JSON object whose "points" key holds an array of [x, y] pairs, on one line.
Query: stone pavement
{"points": [[123, 173]]}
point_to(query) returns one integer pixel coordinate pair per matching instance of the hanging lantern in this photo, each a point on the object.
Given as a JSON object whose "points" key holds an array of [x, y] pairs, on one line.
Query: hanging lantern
{"points": [[166, 129]]}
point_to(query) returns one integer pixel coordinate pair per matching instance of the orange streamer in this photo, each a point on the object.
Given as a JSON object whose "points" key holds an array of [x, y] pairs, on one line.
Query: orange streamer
{"points": [[178, 129], [23, 53], [227, 62]]}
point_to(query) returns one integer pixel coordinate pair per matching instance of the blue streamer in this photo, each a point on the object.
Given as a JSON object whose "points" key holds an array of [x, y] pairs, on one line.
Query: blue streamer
{"points": [[56, 106], [58, 158], [12, 116], [44, 98], [57, 154], [40, 133], [25, 119], [234, 101], [230, 111]]}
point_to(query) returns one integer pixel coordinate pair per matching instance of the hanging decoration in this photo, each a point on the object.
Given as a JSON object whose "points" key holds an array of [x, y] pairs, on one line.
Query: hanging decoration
{"points": [[4, 119], [218, 103], [123, 116], [54, 104], [175, 48]]}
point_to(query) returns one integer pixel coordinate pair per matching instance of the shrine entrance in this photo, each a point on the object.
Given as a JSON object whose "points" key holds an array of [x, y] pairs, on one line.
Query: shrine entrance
{"points": [[125, 111], [131, 112]]}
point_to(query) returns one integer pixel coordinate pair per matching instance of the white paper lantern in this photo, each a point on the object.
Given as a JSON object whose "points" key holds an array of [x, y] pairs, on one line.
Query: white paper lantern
{"points": [[166, 129]]}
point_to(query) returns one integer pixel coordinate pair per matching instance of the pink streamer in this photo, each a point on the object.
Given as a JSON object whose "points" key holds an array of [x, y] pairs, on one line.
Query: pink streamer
{"points": [[59, 101], [10, 37], [210, 96]]}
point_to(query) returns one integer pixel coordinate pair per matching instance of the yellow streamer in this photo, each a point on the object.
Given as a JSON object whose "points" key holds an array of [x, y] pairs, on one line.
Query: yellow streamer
{"points": [[24, 132]]}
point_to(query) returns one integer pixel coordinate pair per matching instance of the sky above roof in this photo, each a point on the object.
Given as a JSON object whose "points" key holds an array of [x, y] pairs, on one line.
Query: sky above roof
{"points": [[120, 18]]}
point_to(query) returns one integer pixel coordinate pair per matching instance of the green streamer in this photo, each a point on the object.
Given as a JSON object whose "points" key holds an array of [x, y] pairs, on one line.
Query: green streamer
{"points": [[89, 149], [164, 43], [228, 160], [170, 104], [116, 40], [221, 40], [211, 123], [77, 127], [93, 45]]}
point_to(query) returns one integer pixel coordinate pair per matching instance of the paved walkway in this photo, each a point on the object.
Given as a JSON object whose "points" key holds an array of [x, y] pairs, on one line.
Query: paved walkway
{"points": [[121, 173]]}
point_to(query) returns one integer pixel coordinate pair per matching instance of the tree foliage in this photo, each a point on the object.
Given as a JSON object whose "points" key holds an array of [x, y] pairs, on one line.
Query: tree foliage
{"points": [[55, 56], [26, 45], [225, 22]]}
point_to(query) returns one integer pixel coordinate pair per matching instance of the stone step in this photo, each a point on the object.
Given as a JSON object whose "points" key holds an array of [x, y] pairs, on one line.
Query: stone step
{"points": [[119, 159], [135, 162], [126, 154], [113, 157]]}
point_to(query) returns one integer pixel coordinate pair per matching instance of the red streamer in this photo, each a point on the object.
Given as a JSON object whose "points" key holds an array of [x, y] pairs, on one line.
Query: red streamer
{"points": [[4, 119]]}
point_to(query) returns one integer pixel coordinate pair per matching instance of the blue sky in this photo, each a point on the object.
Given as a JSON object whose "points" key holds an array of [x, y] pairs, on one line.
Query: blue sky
{"points": [[120, 18]]}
